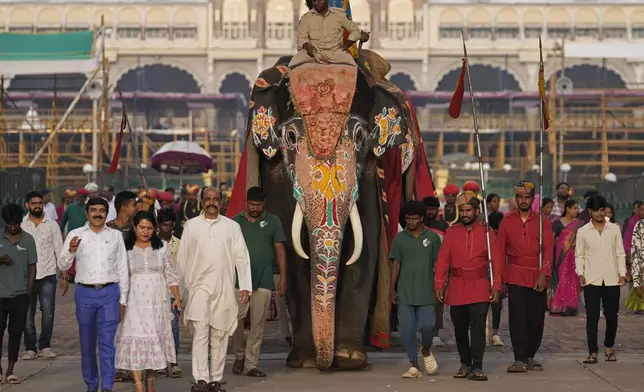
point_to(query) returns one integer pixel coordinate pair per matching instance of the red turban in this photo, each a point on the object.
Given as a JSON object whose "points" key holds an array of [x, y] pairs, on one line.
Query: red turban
{"points": [[82, 192], [471, 186], [450, 190], [165, 196]]}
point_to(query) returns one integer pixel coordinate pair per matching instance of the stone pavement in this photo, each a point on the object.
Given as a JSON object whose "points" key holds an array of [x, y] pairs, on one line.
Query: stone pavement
{"points": [[562, 334], [562, 373]]}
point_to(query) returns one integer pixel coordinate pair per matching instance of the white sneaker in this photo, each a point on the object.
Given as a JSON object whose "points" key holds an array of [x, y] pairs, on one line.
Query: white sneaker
{"points": [[496, 341], [47, 353], [30, 355], [431, 366], [437, 342], [412, 373]]}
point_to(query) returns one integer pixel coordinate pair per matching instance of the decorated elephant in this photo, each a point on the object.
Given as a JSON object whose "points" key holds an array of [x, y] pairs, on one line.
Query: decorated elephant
{"points": [[336, 157]]}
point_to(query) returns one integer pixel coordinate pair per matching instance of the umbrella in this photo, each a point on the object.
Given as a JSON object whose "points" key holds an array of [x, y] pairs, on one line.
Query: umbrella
{"points": [[182, 157]]}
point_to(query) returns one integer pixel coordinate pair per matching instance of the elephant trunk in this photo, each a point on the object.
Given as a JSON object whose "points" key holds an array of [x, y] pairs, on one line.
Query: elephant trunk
{"points": [[325, 245]]}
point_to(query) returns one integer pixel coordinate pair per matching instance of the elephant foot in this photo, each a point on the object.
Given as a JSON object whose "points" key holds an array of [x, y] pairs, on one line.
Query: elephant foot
{"points": [[297, 359], [348, 358]]}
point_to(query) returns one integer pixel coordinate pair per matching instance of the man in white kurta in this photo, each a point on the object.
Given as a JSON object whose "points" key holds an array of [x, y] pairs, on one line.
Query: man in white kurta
{"points": [[212, 248]]}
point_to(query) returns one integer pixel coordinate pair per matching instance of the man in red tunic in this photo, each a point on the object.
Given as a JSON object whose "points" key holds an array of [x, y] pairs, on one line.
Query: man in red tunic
{"points": [[518, 239], [464, 265]]}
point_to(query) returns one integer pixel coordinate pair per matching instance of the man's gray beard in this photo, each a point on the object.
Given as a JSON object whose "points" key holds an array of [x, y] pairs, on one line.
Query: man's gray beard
{"points": [[467, 223]]}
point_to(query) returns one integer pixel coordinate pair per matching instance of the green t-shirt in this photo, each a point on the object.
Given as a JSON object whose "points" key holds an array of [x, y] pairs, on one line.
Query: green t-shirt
{"points": [[74, 217], [261, 237], [13, 277], [125, 229], [417, 257]]}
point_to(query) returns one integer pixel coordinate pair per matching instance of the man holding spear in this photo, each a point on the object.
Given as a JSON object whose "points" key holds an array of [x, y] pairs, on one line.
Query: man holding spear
{"points": [[463, 264]]}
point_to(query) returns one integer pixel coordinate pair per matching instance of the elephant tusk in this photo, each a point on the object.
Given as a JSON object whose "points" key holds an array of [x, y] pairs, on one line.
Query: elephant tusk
{"points": [[356, 225], [296, 231]]}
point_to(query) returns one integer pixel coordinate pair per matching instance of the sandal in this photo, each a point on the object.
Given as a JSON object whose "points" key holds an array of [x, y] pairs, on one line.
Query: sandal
{"points": [[534, 366], [477, 375], [12, 379], [254, 372], [610, 356], [517, 367], [592, 359], [162, 372], [175, 371], [215, 387], [200, 386], [238, 366], [463, 372], [122, 376]]}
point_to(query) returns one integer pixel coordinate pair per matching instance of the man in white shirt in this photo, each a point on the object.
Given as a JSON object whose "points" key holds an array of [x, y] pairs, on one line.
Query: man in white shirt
{"points": [[50, 208], [108, 193], [601, 266], [212, 249], [49, 243], [102, 279]]}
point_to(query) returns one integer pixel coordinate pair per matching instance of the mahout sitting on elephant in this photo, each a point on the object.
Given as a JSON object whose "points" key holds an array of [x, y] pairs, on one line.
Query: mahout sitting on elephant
{"points": [[336, 156]]}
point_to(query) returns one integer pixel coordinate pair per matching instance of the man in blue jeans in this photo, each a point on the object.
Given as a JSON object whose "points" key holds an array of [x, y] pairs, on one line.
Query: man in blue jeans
{"points": [[413, 254], [49, 244], [166, 219]]}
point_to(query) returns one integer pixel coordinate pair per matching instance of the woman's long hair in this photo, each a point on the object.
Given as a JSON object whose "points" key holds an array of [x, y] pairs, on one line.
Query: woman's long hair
{"points": [[130, 240], [570, 203]]}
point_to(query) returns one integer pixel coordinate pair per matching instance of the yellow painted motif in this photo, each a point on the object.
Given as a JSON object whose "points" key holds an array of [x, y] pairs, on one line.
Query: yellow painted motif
{"points": [[329, 179]]}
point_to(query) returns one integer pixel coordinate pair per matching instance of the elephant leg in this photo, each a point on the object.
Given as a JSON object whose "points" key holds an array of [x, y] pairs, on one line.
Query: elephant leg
{"points": [[357, 280], [279, 201]]}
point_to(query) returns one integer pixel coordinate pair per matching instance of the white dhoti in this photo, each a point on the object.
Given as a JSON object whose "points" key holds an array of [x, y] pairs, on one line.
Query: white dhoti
{"points": [[202, 335]]}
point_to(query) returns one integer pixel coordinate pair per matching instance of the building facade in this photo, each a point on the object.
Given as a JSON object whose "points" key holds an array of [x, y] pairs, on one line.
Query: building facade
{"points": [[223, 44]]}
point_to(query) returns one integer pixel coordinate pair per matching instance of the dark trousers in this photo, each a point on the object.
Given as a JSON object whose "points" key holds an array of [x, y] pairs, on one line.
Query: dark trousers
{"points": [[13, 312], [470, 319], [45, 293], [439, 308], [496, 313], [98, 314], [527, 311], [595, 297]]}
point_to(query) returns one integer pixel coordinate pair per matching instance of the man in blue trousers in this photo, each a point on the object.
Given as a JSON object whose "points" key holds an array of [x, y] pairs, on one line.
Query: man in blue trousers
{"points": [[101, 293]]}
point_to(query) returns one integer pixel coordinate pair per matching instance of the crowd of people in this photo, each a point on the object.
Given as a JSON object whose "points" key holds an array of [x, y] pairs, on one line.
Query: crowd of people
{"points": [[142, 261]]}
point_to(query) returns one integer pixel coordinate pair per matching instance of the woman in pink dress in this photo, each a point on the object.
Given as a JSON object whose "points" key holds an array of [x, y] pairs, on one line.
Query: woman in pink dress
{"points": [[564, 281]]}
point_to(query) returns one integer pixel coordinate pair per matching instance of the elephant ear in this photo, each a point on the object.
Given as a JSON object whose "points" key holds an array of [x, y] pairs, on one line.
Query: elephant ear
{"points": [[263, 116], [389, 127]]}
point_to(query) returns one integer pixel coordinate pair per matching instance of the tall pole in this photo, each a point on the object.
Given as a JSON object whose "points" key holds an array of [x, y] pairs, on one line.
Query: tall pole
{"points": [[541, 130], [562, 125], [95, 138], [480, 159]]}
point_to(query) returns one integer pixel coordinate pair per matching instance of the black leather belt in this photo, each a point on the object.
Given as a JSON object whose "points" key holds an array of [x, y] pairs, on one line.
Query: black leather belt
{"points": [[97, 286]]}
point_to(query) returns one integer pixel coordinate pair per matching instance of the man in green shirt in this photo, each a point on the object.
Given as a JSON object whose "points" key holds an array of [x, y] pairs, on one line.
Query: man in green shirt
{"points": [[265, 239], [125, 206], [75, 215], [413, 253], [18, 258]]}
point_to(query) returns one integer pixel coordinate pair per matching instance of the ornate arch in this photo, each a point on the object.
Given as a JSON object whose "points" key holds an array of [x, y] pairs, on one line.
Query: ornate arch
{"points": [[409, 74], [474, 64], [580, 74], [130, 67], [403, 80], [228, 74]]}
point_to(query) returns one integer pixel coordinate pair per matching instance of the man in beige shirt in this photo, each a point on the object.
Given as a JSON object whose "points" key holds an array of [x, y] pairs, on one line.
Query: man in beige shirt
{"points": [[320, 36], [600, 263]]}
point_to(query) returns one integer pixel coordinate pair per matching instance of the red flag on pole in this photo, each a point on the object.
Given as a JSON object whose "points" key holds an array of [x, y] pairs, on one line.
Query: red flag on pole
{"points": [[457, 99], [117, 151]]}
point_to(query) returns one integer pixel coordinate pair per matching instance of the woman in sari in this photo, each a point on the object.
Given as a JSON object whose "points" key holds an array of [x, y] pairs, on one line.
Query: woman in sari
{"points": [[634, 302], [565, 283]]}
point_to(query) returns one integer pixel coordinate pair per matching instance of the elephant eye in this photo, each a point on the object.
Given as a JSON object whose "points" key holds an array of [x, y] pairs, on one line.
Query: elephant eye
{"points": [[358, 134], [290, 135]]}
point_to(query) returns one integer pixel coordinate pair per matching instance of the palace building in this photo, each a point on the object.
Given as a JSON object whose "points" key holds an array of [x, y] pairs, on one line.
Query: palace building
{"points": [[593, 53]]}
